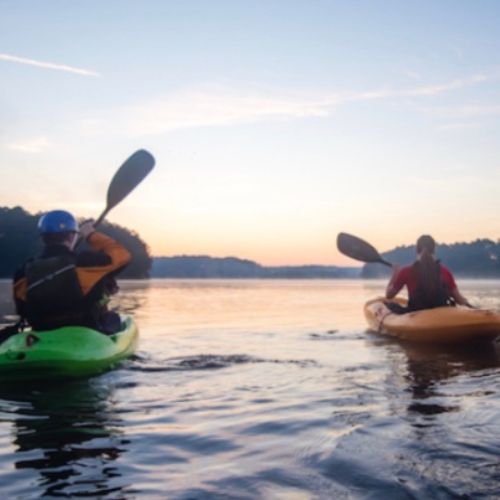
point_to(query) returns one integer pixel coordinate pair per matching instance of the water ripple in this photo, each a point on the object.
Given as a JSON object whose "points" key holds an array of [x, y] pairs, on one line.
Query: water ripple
{"points": [[206, 362], [217, 407]]}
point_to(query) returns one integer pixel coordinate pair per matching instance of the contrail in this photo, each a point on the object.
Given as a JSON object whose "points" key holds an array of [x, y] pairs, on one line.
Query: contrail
{"points": [[47, 65]]}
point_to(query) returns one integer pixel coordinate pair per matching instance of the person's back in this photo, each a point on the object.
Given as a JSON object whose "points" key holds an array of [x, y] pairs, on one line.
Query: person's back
{"points": [[432, 285], [60, 287], [429, 283]]}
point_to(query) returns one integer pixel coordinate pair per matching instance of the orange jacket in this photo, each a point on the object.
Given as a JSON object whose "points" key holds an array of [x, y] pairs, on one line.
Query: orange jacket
{"points": [[89, 276]]}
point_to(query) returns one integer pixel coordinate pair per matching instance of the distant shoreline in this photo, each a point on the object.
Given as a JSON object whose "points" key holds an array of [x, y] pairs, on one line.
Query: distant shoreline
{"points": [[204, 266]]}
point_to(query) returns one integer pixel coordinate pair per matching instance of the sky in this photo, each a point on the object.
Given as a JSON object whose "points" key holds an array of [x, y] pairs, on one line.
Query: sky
{"points": [[275, 124]]}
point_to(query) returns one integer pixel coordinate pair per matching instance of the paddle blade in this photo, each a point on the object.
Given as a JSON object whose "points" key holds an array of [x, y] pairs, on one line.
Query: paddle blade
{"points": [[358, 249], [128, 176]]}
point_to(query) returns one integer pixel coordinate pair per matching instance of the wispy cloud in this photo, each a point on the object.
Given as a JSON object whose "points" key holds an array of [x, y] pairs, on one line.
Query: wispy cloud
{"points": [[47, 65], [221, 106], [32, 146], [420, 91], [431, 90], [467, 111], [216, 106]]}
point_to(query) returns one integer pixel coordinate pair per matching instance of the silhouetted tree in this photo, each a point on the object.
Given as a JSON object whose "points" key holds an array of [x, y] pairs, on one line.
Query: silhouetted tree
{"points": [[18, 239]]}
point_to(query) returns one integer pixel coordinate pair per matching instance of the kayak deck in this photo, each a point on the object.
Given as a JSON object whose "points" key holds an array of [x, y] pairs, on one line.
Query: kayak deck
{"points": [[440, 325], [72, 351]]}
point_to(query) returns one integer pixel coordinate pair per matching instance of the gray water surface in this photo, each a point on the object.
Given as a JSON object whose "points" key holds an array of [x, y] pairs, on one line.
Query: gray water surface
{"points": [[261, 389]]}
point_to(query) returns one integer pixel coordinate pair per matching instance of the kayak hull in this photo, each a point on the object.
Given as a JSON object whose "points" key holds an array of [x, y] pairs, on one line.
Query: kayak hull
{"points": [[445, 325], [72, 351]]}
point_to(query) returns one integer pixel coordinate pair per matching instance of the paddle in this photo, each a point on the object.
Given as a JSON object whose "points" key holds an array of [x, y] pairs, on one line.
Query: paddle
{"points": [[358, 249], [126, 179], [135, 168]]}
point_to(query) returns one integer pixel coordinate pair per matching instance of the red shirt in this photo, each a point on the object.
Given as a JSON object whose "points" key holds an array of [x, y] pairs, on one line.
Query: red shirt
{"points": [[407, 276]]}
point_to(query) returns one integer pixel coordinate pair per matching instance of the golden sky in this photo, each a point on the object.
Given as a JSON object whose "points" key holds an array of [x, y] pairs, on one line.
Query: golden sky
{"points": [[333, 119]]}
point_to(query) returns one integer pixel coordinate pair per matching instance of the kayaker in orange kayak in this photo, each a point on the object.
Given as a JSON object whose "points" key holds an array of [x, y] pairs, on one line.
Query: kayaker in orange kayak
{"points": [[61, 287], [429, 283]]}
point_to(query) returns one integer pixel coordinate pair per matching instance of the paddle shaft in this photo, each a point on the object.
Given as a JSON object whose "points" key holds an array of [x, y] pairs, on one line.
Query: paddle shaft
{"points": [[102, 216], [384, 262]]}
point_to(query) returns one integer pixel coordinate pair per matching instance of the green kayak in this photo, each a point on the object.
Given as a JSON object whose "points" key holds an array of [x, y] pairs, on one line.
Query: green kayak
{"points": [[72, 351]]}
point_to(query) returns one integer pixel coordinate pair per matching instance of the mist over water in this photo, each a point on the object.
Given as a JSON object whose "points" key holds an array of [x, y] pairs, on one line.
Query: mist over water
{"points": [[261, 389]]}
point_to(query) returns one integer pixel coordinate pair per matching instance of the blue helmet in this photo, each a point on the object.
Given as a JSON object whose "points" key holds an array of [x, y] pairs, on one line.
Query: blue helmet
{"points": [[57, 221]]}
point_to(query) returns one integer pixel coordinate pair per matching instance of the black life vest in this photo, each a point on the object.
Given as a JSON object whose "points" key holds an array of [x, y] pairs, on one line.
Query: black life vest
{"points": [[431, 291], [54, 296]]}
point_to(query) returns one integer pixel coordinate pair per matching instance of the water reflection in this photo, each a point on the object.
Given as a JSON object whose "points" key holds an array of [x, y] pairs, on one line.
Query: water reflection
{"points": [[260, 389], [69, 434], [429, 365]]}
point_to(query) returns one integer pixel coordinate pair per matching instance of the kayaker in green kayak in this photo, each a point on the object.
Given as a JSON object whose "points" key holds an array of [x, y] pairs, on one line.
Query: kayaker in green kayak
{"points": [[429, 283], [60, 287]]}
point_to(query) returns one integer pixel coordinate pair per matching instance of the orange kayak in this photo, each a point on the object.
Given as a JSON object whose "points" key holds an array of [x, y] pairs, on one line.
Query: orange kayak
{"points": [[440, 325]]}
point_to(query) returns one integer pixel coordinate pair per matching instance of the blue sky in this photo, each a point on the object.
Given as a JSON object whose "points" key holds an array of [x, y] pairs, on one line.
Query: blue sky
{"points": [[275, 124]]}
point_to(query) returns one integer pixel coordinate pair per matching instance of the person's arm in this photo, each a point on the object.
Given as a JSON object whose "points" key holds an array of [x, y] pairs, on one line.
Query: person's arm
{"points": [[454, 293], [459, 298], [119, 255], [395, 283], [99, 242]]}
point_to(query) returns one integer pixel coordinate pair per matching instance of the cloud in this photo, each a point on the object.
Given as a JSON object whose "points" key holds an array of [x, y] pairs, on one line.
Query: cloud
{"points": [[216, 106], [205, 107], [468, 111], [420, 91], [213, 105], [33, 146], [47, 65], [431, 90]]}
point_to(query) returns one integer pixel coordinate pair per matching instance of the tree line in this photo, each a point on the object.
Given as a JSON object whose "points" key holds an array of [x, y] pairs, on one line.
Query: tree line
{"points": [[19, 241], [203, 266]]}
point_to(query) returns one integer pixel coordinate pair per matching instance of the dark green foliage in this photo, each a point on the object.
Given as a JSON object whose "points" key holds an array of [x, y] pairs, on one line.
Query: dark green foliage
{"points": [[19, 241], [477, 259], [201, 266]]}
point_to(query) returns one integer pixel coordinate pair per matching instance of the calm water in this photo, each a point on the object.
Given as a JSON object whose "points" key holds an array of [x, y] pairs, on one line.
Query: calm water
{"points": [[261, 389]]}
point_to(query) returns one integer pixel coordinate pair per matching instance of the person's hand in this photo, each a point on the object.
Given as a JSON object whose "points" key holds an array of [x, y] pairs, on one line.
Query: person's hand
{"points": [[86, 229]]}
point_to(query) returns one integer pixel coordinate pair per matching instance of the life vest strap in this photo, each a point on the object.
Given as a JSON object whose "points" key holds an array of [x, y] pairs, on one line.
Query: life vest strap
{"points": [[50, 276]]}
